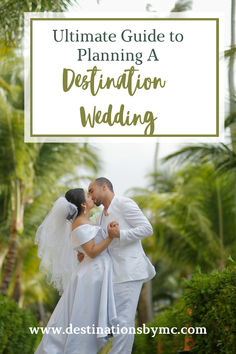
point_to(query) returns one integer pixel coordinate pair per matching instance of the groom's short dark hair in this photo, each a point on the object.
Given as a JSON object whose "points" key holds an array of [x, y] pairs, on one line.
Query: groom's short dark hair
{"points": [[103, 180]]}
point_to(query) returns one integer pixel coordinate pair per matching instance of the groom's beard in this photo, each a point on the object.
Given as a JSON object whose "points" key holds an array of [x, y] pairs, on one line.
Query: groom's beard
{"points": [[97, 202]]}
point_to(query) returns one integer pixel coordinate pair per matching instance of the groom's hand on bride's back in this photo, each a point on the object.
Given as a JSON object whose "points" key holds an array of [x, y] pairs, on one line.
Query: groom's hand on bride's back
{"points": [[113, 229], [80, 256]]}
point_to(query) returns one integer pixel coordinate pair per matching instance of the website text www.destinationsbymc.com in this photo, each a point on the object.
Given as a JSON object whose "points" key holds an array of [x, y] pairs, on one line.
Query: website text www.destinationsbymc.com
{"points": [[118, 330]]}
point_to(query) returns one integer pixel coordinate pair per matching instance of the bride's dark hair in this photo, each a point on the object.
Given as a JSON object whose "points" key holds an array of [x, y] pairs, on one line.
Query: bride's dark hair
{"points": [[76, 196]]}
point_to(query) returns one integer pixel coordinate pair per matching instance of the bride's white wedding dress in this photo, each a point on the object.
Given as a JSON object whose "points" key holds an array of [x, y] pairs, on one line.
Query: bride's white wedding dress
{"points": [[88, 300]]}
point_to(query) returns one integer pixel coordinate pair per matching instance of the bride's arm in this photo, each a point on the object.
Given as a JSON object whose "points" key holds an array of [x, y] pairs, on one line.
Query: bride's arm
{"points": [[93, 249]]}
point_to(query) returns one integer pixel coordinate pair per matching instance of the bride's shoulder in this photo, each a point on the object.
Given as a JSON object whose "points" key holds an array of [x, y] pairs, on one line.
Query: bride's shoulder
{"points": [[83, 233], [85, 229]]}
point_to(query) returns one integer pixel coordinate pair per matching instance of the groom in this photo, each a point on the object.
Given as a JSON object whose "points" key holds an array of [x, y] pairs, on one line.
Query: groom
{"points": [[131, 267]]}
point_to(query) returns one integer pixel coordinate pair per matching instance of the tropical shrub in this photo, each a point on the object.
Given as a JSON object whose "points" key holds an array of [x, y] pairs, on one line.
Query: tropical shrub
{"points": [[15, 337], [208, 301], [212, 299]]}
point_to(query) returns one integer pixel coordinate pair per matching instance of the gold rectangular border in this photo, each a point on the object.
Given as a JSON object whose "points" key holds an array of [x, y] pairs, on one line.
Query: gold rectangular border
{"points": [[122, 19]]}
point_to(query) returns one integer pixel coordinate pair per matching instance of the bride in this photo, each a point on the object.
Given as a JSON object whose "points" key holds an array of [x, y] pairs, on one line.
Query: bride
{"points": [[87, 303]]}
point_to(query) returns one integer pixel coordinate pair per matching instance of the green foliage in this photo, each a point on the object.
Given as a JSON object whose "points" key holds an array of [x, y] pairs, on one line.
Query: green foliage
{"points": [[166, 285], [32, 175], [211, 299], [223, 157], [182, 5], [34, 166], [175, 316], [12, 15], [186, 218], [15, 337]]}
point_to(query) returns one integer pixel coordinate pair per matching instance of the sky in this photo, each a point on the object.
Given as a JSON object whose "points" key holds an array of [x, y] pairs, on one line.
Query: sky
{"points": [[128, 164]]}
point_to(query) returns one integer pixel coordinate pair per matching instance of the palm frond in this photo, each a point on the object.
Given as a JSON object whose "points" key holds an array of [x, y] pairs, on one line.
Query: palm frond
{"points": [[196, 153], [186, 218], [12, 16], [182, 5], [230, 52], [220, 155]]}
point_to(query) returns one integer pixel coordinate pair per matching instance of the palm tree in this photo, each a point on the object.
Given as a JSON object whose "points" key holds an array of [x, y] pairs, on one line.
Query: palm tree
{"points": [[30, 288], [12, 16], [221, 155], [193, 222], [27, 170]]}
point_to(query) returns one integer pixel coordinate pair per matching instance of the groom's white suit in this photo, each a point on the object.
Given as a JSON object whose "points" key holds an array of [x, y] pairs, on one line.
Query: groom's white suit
{"points": [[131, 267]]}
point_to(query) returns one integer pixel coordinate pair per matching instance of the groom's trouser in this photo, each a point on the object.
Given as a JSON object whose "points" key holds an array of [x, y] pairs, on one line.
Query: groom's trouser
{"points": [[126, 299]]}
